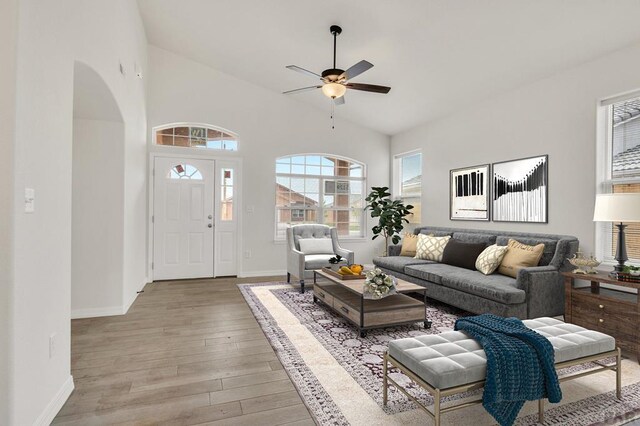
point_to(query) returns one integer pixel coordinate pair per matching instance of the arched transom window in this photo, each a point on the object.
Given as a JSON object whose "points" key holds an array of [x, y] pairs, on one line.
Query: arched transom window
{"points": [[316, 188], [196, 136]]}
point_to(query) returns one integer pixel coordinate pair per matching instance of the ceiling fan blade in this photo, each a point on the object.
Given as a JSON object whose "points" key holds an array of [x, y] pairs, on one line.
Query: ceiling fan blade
{"points": [[356, 70], [368, 87], [304, 71], [339, 101], [302, 89]]}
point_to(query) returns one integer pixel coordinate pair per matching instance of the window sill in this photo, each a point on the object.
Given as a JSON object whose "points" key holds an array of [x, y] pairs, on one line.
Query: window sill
{"points": [[354, 239], [348, 240]]}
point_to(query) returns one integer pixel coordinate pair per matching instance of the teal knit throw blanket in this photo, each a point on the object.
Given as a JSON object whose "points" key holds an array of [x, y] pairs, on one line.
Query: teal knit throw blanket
{"points": [[520, 365]]}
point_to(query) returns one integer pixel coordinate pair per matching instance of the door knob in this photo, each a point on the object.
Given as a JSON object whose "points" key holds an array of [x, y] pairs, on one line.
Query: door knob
{"points": [[210, 226], [210, 216]]}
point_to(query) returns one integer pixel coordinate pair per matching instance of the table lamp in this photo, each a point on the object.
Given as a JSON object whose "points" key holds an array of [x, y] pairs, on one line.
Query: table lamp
{"points": [[618, 208]]}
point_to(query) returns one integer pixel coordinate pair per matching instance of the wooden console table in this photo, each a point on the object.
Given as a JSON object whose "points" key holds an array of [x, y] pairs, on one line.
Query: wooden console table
{"points": [[605, 309]]}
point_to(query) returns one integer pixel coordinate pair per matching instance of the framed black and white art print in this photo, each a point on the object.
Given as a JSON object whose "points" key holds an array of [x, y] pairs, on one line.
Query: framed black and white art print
{"points": [[469, 193], [520, 190]]}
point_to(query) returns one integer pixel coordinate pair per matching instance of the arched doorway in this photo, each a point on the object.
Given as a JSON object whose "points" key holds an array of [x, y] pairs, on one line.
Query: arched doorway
{"points": [[97, 198]]}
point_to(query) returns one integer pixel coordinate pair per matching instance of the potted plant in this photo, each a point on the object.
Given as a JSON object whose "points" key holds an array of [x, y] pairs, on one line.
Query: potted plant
{"points": [[632, 270], [391, 215]]}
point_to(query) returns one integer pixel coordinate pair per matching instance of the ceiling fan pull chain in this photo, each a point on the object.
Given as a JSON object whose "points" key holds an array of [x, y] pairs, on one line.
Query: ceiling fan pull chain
{"points": [[333, 112]]}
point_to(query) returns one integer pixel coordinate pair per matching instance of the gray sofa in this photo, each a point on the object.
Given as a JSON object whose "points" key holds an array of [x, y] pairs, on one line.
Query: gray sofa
{"points": [[536, 292]]}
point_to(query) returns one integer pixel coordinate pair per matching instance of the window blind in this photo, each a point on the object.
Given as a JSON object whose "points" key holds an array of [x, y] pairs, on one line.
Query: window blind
{"points": [[625, 169]]}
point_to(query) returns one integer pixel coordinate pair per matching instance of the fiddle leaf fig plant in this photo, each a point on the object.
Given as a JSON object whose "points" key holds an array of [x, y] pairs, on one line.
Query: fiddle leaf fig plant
{"points": [[391, 215]]}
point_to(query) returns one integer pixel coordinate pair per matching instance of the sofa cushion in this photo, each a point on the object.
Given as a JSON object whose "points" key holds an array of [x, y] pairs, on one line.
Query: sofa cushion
{"points": [[470, 237], [430, 247], [490, 259], [520, 256], [317, 261], [409, 245], [549, 245], [431, 272], [426, 231], [464, 255], [316, 245], [499, 288], [398, 263]]}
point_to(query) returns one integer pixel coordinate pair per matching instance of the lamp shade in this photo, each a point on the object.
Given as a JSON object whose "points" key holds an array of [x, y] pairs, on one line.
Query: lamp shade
{"points": [[333, 90], [621, 207]]}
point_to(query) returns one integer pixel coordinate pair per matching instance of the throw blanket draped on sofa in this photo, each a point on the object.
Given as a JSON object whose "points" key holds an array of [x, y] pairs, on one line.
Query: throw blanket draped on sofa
{"points": [[520, 365]]}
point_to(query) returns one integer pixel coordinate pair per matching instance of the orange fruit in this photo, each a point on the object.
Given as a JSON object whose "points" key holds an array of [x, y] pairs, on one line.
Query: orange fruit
{"points": [[356, 269]]}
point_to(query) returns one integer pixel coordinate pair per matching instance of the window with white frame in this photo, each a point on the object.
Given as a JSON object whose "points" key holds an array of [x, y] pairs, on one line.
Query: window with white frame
{"points": [[184, 171], [226, 194], [622, 170], [317, 188], [408, 182], [196, 136]]}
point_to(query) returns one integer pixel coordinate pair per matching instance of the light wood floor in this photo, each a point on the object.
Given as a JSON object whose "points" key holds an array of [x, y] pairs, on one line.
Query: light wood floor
{"points": [[187, 352]]}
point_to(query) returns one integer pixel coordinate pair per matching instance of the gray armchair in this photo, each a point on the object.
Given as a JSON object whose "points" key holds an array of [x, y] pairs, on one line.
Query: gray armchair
{"points": [[300, 264]]}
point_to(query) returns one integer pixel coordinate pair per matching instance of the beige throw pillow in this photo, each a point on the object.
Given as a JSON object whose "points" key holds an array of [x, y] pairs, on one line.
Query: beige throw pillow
{"points": [[431, 248], [409, 244], [520, 256], [490, 259]]}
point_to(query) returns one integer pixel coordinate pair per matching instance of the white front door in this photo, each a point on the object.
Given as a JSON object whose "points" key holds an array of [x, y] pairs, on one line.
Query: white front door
{"points": [[183, 222]]}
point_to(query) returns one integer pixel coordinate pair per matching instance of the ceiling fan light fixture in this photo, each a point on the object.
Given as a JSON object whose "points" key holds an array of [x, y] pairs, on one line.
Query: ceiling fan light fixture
{"points": [[333, 90]]}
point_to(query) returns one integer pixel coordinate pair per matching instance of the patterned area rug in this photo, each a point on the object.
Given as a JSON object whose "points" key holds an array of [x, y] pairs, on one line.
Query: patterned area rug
{"points": [[339, 374]]}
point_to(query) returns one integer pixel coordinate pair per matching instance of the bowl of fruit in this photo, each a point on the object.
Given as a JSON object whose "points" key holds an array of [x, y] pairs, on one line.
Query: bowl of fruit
{"points": [[347, 272]]}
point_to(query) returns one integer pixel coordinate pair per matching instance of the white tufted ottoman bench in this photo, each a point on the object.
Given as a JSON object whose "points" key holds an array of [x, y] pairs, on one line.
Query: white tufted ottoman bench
{"points": [[452, 362]]}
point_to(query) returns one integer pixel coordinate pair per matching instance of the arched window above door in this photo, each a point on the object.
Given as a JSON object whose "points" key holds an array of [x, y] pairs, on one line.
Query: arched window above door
{"points": [[196, 136], [184, 171]]}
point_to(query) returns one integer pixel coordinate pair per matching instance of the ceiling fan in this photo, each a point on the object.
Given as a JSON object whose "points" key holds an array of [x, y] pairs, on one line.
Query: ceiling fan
{"points": [[335, 81]]}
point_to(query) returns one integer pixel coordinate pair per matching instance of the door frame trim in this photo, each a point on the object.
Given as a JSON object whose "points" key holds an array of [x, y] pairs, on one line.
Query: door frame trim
{"points": [[200, 155]]}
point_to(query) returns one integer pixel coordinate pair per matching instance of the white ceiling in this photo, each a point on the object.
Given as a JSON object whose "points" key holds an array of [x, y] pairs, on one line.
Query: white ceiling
{"points": [[437, 55]]}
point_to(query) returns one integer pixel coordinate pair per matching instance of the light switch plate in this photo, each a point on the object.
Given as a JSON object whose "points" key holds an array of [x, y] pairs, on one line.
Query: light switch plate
{"points": [[29, 200]]}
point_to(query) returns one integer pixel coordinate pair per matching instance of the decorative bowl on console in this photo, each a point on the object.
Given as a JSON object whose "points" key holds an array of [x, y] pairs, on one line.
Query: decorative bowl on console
{"points": [[583, 264]]}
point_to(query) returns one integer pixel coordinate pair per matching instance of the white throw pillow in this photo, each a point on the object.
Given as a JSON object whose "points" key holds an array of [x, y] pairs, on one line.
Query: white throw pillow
{"points": [[316, 245], [431, 248], [490, 259]]}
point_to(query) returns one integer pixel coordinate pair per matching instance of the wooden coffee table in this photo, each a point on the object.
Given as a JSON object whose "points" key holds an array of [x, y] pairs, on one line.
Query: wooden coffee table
{"points": [[346, 298]]}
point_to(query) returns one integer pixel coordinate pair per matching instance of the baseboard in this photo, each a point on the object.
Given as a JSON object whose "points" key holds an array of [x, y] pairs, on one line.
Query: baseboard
{"points": [[49, 413], [133, 297], [129, 302], [272, 273], [96, 312]]}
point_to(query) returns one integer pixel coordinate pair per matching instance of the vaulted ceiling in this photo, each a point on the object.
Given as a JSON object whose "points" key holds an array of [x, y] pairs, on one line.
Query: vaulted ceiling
{"points": [[437, 55]]}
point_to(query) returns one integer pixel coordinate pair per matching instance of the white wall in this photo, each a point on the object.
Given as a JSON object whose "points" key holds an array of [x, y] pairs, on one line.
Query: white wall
{"points": [[269, 125], [97, 200], [51, 37], [8, 35], [555, 116]]}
